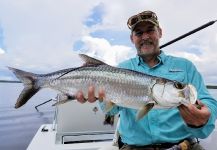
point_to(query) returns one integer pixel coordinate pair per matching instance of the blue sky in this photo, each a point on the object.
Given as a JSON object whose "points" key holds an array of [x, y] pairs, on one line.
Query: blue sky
{"points": [[43, 35], [96, 16]]}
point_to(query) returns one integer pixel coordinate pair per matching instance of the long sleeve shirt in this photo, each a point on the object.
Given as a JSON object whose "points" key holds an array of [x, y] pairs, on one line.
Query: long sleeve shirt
{"points": [[164, 125]]}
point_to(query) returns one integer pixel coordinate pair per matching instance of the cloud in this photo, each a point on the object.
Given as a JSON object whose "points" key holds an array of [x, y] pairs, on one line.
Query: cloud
{"points": [[200, 49], [1, 51], [39, 35], [101, 48]]}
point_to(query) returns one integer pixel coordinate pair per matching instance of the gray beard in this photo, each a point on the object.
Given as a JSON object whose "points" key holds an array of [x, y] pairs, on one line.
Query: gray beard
{"points": [[148, 56]]}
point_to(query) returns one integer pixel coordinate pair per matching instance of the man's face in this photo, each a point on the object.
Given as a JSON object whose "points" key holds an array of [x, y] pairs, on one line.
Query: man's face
{"points": [[146, 39]]}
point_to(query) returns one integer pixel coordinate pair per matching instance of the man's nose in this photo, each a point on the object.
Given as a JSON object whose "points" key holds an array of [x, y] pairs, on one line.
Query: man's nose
{"points": [[145, 35]]}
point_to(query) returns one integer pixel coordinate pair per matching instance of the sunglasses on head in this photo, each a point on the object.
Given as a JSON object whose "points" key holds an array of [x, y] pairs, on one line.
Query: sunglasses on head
{"points": [[140, 17]]}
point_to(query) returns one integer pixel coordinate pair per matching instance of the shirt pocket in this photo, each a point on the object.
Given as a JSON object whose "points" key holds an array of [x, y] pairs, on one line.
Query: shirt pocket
{"points": [[176, 75]]}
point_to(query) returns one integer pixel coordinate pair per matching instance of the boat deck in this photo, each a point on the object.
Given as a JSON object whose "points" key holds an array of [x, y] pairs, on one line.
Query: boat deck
{"points": [[45, 139]]}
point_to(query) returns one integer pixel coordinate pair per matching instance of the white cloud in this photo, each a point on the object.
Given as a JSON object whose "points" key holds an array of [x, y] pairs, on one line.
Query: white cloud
{"points": [[1, 51], [111, 54], [205, 61], [175, 21], [39, 34]]}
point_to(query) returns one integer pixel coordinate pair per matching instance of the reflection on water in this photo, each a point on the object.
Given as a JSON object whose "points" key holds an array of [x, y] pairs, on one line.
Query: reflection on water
{"points": [[18, 126]]}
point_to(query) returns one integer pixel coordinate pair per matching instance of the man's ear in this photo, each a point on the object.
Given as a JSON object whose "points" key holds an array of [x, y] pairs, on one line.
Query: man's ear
{"points": [[160, 32], [131, 37]]}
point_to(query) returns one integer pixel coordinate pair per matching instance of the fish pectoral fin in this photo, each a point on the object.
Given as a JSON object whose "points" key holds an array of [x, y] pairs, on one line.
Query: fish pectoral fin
{"points": [[144, 110], [64, 98], [108, 106], [61, 102]]}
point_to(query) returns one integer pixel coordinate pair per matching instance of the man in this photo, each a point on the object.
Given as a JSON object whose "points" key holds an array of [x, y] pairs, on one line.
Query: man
{"points": [[161, 128]]}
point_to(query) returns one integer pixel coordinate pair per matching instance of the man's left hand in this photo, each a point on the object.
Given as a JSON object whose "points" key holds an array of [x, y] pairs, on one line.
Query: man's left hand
{"points": [[195, 115]]}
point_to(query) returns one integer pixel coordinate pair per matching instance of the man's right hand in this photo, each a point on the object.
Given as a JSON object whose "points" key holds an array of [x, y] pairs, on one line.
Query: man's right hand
{"points": [[91, 95]]}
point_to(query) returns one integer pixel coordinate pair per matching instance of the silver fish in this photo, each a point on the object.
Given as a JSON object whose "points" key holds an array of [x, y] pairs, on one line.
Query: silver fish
{"points": [[123, 87]]}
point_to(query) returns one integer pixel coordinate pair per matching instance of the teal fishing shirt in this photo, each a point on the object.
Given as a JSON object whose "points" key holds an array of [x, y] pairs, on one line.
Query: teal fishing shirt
{"points": [[164, 125]]}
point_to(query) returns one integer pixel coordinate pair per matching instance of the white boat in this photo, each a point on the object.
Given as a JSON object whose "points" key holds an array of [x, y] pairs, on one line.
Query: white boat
{"points": [[63, 133]]}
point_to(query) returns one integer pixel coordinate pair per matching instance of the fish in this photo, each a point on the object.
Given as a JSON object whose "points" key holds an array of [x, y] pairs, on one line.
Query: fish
{"points": [[124, 87]]}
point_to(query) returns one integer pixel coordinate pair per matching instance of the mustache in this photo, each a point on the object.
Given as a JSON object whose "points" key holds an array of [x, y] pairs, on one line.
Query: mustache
{"points": [[146, 42]]}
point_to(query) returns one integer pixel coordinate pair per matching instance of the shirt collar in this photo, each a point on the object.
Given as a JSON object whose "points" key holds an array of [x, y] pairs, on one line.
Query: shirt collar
{"points": [[161, 58]]}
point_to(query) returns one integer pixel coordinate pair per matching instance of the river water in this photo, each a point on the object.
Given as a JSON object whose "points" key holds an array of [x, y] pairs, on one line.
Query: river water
{"points": [[18, 126]]}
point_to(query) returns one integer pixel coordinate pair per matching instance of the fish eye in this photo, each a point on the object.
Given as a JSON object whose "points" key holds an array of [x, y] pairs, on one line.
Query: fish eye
{"points": [[179, 85]]}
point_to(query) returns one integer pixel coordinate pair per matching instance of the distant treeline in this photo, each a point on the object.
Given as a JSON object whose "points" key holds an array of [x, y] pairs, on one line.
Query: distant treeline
{"points": [[8, 81]]}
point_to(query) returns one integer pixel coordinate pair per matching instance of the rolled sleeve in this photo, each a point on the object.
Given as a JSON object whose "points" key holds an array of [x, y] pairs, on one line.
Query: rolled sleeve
{"points": [[196, 79], [113, 111]]}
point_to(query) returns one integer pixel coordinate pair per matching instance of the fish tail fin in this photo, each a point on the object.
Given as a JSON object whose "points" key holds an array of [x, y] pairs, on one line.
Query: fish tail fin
{"points": [[31, 86]]}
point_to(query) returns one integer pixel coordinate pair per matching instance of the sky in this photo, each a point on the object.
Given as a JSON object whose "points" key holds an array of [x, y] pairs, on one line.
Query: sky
{"points": [[47, 35]]}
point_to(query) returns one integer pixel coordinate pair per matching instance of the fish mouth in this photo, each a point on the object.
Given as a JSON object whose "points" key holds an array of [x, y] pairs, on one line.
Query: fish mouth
{"points": [[189, 93]]}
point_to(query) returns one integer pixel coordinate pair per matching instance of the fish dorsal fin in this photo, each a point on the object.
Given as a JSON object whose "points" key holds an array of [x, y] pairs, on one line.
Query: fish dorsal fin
{"points": [[90, 60]]}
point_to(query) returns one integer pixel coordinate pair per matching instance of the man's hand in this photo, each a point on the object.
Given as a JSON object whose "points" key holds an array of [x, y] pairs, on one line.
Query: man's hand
{"points": [[195, 115], [91, 95]]}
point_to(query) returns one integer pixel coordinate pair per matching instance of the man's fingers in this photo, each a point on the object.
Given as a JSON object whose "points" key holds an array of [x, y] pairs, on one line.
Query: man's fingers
{"points": [[101, 94], [194, 116], [199, 104], [91, 94], [184, 110], [80, 97]]}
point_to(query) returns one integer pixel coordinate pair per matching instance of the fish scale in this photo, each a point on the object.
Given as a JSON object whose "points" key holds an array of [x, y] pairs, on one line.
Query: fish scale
{"points": [[98, 77]]}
